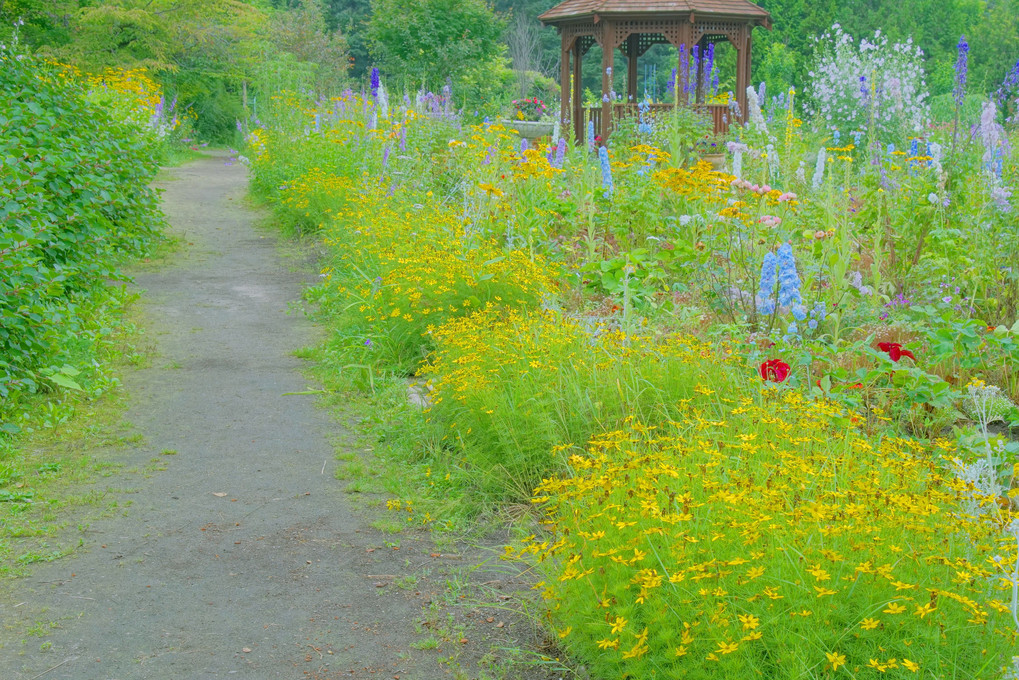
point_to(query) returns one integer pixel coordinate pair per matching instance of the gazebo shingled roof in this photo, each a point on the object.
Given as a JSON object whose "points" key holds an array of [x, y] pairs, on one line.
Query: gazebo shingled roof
{"points": [[633, 26], [577, 9]]}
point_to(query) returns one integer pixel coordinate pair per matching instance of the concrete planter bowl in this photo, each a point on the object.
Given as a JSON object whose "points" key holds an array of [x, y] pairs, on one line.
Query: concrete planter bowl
{"points": [[529, 129]]}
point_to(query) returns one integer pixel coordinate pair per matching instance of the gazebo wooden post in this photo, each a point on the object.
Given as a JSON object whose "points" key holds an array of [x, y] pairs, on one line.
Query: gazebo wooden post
{"points": [[578, 92], [743, 70], [608, 50], [631, 67], [685, 37]]}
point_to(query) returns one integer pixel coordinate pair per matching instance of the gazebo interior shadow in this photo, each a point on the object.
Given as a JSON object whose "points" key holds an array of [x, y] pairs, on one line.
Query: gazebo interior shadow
{"points": [[633, 27]]}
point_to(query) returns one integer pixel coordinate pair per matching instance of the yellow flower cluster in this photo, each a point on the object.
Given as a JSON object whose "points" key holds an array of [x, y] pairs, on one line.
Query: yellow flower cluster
{"points": [[135, 85], [738, 536]]}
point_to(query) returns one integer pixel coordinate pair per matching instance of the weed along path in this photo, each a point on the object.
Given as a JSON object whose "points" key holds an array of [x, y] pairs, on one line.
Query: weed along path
{"points": [[242, 558]]}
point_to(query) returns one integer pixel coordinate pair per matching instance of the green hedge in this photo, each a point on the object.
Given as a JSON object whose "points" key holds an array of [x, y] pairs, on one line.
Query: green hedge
{"points": [[74, 201]]}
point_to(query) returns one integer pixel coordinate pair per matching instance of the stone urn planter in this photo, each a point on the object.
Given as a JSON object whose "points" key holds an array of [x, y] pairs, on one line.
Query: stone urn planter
{"points": [[717, 160], [529, 129]]}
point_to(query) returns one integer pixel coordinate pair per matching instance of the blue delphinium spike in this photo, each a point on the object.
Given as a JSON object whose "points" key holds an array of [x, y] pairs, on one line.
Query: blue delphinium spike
{"points": [[606, 170]]}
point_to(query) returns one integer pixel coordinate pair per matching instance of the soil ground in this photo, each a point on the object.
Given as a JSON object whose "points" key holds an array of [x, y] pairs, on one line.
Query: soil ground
{"points": [[243, 558]]}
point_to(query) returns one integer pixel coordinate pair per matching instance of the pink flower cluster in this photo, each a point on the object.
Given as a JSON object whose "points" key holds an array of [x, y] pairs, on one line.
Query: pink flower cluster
{"points": [[756, 188]]}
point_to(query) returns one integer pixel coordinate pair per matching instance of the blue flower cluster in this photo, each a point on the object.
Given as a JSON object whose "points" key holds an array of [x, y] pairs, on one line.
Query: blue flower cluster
{"points": [[766, 294], [817, 315], [789, 283], [780, 269], [644, 124], [606, 170], [590, 135]]}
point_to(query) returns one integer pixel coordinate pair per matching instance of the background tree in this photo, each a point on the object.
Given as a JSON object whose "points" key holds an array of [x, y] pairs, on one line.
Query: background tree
{"points": [[427, 41], [303, 33]]}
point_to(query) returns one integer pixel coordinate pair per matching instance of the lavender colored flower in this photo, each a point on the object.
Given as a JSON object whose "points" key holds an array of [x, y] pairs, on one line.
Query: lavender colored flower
{"points": [[385, 156], [524, 145], [560, 153], [606, 170], [403, 139], [590, 135], [961, 68], [1000, 197]]}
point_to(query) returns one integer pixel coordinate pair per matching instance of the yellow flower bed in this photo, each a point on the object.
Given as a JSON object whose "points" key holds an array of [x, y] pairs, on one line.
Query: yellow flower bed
{"points": [[766, 538]]}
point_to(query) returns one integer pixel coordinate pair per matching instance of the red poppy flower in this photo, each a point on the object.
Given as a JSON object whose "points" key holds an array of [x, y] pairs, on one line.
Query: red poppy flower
{"points": [[895, 351], [774, 370]]}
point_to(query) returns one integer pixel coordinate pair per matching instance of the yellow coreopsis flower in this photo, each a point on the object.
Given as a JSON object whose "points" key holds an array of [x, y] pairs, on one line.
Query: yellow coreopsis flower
{"points": [[835, 659]]}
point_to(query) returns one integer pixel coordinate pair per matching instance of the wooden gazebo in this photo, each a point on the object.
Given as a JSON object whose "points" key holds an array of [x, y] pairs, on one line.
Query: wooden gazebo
{"points": [[633, 26]]}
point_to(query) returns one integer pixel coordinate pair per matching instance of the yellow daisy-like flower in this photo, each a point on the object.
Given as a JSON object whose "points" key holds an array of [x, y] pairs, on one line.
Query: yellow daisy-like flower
{"points": [[835, 659]]}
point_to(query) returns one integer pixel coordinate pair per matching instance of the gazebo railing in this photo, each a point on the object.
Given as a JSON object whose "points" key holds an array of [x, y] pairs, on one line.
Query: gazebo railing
{"points": [[719, 113]]}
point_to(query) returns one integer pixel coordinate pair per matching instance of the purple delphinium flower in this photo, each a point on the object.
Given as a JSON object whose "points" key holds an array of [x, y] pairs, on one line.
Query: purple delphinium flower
{"points": [[385, 156], [1009, 84], [590, 135], [684, 68], [709, 65], [560, 153], [375, 82], [403, 139], [670, 87], [695, 70], [489, 156], [961, 68], [523, 145]]}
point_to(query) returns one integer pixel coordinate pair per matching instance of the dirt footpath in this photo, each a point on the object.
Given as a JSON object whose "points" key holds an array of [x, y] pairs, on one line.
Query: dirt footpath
{"points": [[243, 558]]}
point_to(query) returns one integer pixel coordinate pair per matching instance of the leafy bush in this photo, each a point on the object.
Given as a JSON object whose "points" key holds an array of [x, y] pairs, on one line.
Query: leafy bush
{"points": [[74, 200]]}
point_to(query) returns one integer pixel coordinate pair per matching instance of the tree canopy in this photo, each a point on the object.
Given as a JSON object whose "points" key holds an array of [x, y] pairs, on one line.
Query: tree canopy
{"points": [[427, 41]]}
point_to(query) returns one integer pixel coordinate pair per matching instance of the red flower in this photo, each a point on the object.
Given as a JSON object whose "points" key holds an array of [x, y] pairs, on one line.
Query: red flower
{"points": [[774, 370], [895, 351]]}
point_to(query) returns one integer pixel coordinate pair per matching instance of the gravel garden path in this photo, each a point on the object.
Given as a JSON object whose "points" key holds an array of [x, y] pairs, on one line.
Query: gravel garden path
{"points": [[243, 558]]}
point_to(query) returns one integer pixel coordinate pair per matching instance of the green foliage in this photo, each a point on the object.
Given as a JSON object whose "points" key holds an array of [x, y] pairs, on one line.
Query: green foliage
{"points": [[74, 200], [426, 41], [302, 33]]}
